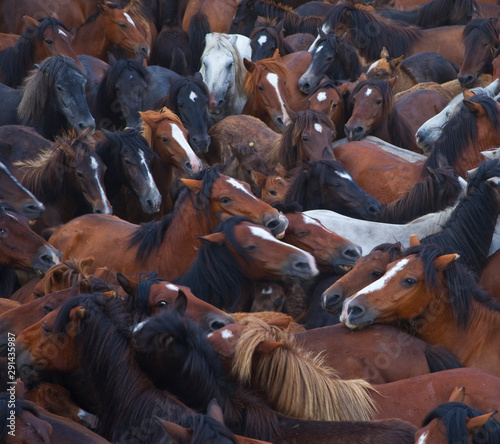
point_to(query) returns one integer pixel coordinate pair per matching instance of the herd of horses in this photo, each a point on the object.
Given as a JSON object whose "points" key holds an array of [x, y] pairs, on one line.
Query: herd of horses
{"points": [[249, 221]]}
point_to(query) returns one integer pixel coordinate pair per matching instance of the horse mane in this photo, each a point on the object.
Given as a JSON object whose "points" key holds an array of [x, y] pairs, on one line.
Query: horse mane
{"points": [[73, 271], [485, 26], [149, 236], [143, 12], [296, 382], [395, 250], [45, 175], [430, 14], [434, 193], [164, 113], [94, 16], [141, 299], [479, 209], [216, 277], [287, 149], [371, 32], [460, 282], [170, 100], [347, 65], [103, 346], [20, 406], [9, 282], [460, 131], [295, 24], [220, 42], [39, 86], [271, 65], [271, 9], [453, 415], [18, 59], [270, 26]]}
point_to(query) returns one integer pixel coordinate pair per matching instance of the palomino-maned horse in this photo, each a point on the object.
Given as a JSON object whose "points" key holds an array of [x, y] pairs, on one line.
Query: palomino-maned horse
{"points": [[441, 299], [128, 160], [237, 253], [370, 32], [481, 42], [54, 100], [170, 245], [109, 26], [335, 57], [39, 40], [224, 74]]}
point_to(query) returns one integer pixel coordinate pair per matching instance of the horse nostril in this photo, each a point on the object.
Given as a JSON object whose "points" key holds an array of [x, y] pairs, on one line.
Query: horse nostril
{"points": [[220, 103], [355, 311], [46, 259], [216, 325], [301, 266], [273, 223], [144, 50], [188, 166], [374, 210], [279, 121], [333, 302], [351, 253]]}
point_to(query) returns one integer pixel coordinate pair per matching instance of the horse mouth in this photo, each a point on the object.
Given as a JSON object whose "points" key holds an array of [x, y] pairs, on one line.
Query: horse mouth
{"points": [[344, 268]]}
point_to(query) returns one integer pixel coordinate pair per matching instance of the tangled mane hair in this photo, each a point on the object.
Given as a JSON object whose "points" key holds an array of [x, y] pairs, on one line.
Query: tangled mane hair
{"points": [[40, 87], [163, 114], [455, 12], [275, 31], [271, 65], [295, 382]]}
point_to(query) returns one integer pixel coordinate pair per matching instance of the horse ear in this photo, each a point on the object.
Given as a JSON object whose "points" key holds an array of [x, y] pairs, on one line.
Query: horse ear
{"points": [[441, 263], [396, 63], [384, 54], [193, 185], [268, 347], [276, 54], [474, 108], [214, 411], [468, 94], [77, 313], [127, 284], [474, 424], [343, 89], [392, 81], [258, 178], [280, 170], [362, 77], [250, 66], [30, 21], [458, 394], [54, 15], [214, 238], [180, 303], [175, 431], [86, 263], [414, 241]]}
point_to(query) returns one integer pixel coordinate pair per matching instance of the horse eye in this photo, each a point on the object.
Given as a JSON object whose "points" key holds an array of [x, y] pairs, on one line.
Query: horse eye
{"points": [[165, 139], [305, 138], [301, 233], [79, 174], [161, 303], [376, 274], [334, 105], [329, 58], [49, 42], [3, 232], [250, 248], [260, 87], [336, 185], [408, 282], [45, 329], [59, 88], [224, 200], [46, 309], [379, 101], [273, 192], [122, 25], [179, 104]]}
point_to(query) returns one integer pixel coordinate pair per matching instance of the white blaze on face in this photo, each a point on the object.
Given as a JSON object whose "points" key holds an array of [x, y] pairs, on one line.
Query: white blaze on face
{"points": [[60, 31], [272, 78], [239, 186], [262, 39], [226, 334], [193, 96], [321, 96], [95, 166], [373, 66], [267, 290], [319, 48], [264, 234], [129, 19], [140, 325], [172, 287], [346, 176], [179, 137], [318, 127], [423, 438], [310, 221], [151, 182], [368, 92]]}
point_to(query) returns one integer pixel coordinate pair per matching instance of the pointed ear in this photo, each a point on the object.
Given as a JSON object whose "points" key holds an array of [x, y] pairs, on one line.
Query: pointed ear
{"points": [[30, 21], [342, 89], [468, 94], [384, 54], [474, 108], [193, 185], [54, 15], [268, 347], [441, 263], [250, 66], [77, 313], [458, 394], [362, 77], [86, 263], [180, 303], [280, 170], [276, 54], [474, 424], [396, 63], [214, 411], [392, 81], [175, 431], [258, 178], [414, 241], [128, 285], [214, 238]]}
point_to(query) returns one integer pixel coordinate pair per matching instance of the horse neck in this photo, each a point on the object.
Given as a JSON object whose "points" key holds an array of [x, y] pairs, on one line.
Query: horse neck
{"points": [[271, 10], [52, 122], [90, 39]]}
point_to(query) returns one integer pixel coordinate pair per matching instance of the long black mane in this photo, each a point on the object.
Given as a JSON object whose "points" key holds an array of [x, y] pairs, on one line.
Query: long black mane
{"points": [[16, 61], [453, 415], [462, 287], [370, 32], [274, 31], [216, 277], [150, 236]]}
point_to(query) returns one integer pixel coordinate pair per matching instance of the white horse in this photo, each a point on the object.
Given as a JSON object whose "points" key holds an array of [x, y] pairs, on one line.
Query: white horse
{"points": [[223, 72], [430, 131]]}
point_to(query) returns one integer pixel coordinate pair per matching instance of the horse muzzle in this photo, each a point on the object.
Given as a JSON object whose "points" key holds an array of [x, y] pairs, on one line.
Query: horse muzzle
{"points": [[45, 258]]}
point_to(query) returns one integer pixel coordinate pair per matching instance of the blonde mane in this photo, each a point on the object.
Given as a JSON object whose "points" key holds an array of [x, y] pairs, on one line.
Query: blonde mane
{"points": [[271, 65], [297, 383], [158, 116]]}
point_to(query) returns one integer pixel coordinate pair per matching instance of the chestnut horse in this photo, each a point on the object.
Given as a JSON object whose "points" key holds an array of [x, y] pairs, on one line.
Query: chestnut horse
{"points": [[168, 246]]}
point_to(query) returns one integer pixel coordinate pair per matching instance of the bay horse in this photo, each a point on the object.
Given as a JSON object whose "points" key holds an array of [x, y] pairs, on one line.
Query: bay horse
{"points": [[168, 246], [223, 72], [481, 42], [370, 32], [459, 305], [264, 86], [273, 188], [239, 252], [128, 158], [54, 98], [119, 97], [109, 26], [335, 57], [41, 39], [326, 184], [68, 178]]}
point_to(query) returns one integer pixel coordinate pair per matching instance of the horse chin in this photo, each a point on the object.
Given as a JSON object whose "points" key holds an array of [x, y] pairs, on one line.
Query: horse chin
{"points": [[357, 323]]}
